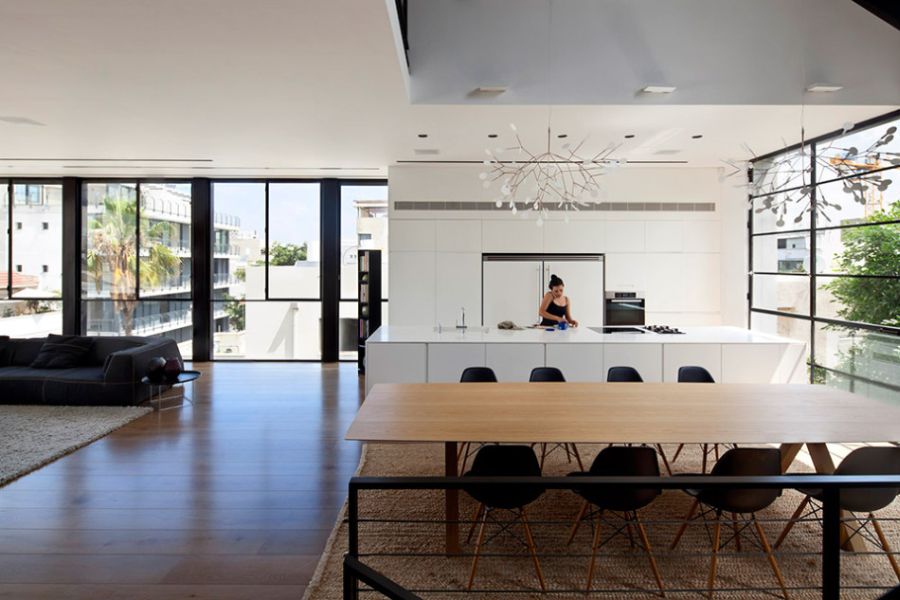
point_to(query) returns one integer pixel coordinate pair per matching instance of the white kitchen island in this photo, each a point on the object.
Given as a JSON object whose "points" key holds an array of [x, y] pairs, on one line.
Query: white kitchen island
{"points": [[401, 354]]}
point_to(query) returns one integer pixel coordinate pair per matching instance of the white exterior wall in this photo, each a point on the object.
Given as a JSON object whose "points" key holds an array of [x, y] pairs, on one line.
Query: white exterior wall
{"points": [[689, 264]]}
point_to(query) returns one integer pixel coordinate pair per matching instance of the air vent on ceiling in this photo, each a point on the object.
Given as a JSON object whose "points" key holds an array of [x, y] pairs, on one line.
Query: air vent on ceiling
{"points": [[668, 152]]}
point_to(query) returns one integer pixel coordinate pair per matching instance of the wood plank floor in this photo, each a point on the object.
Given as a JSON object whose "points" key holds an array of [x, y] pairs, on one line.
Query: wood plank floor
{"points": [[233, 497]]}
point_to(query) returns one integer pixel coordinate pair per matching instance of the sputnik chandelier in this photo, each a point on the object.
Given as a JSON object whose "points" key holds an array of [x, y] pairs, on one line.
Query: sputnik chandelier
{"points": [[537, 182]]}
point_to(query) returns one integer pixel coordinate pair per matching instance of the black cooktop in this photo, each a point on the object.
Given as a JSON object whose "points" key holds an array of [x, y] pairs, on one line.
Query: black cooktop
{"points": [[618, 330]]}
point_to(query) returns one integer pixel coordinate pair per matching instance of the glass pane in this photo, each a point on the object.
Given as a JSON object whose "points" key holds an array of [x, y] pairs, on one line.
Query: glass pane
{"points": [[852, 201], [784, 293], [349, 330], [364, 210], [294, 240], [4, 240], [780, 172], [783, 253], [860, 354], [165, 263], [859, 152], [239, 233], [157, 317], [780, 212], [30, 318], [37, 240], [861, 299], [109, 231], [267, 330], [796, 329], [867, 250]]}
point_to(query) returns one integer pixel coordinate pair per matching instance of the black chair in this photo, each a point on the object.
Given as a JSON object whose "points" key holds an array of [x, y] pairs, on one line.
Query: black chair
{"points": [[504, 461], [623, 503], [472, 375], [553, 375], [737, 462], [697, 375], [862, 461], [631, 375], [623, 375]]}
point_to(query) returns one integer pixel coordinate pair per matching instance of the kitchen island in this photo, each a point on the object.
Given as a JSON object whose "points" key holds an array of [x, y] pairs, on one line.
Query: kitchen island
{"points": [[405, 354]]}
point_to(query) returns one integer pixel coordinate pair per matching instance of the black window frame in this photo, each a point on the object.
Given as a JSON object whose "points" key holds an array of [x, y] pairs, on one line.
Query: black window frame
{"points": [[813, 318]]}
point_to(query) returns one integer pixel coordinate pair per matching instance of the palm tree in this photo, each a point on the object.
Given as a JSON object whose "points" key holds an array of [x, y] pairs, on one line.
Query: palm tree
{"points": [[112, 257]]}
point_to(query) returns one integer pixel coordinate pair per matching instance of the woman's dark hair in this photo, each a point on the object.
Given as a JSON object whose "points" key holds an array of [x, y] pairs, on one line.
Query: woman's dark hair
{"points": [[555, 281]]}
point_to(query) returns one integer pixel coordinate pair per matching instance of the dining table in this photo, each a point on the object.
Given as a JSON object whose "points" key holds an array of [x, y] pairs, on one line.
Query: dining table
{"points": [[788, 415]]}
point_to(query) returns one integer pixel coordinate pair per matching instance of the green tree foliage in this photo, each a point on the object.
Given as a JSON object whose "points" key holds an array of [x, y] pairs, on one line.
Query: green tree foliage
{"points": [[870, 251], [112, 256], [287, 254], [237, 313]]}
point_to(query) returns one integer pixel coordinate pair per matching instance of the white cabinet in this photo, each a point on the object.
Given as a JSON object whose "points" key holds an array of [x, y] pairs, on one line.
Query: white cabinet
{"points": [[512, 292], [458, 236], [412, 272], [511, 236], [664, 236], [457, 285], [708, 356], [446, 362], [646, 358], [769, 363], [395, 363], [514, 362], [412, 235], [576, 236], [584, 285], [624, 236], [578, 362]]}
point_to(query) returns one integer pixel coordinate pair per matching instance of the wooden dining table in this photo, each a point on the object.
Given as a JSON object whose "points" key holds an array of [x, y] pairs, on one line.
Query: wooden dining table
{"points": [[790, 415]]}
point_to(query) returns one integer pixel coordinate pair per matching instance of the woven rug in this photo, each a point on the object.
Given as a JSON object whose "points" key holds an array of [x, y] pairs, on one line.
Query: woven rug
{"points": [[32, 436], [404, 541]]}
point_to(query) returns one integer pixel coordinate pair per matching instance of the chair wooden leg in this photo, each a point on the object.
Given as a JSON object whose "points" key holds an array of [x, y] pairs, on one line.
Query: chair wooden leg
{"points": [[884, 544], [717, 533], [533, 549], [705, 452], [665, 460], [630, 533], [594, 544], [793, 521], [475, 520], [649, 550], [716, 450], [684, 525], [677, 452], [477, 550], [577, 457], [768, 549], [568, 454], [577, 523], [464, 451], [543, 455], [737, 531]]}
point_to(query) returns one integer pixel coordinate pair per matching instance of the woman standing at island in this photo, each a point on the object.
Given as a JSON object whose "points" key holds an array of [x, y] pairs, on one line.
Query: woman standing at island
{"points": [[556, 308]]}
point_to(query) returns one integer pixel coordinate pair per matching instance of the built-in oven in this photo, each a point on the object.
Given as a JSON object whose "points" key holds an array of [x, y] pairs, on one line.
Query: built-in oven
{"points": [[624, 308]]}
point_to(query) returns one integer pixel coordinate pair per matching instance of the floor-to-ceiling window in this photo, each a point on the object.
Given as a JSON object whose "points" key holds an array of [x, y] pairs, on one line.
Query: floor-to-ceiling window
{"points": [[825, 254], [136, 259], [266, 262], [31, 258], [364, 226]]}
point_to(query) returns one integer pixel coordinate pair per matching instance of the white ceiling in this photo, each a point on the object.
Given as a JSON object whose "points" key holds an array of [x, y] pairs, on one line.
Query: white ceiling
{"points": [[286, 88]]}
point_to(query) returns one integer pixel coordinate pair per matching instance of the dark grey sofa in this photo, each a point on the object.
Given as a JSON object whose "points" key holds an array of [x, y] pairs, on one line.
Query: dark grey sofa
{"points": [[110, 374]]}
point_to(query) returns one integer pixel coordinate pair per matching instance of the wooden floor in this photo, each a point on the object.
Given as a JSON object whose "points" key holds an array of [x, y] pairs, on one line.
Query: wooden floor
{"points": [[233, 497]]}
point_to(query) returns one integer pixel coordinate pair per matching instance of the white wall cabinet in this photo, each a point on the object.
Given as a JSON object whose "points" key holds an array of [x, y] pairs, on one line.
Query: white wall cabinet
{"points": [[457, 285], [413, 285]]}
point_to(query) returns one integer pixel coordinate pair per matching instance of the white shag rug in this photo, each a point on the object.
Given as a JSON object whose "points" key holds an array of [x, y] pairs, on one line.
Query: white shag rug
{"points": [[33, 436]]}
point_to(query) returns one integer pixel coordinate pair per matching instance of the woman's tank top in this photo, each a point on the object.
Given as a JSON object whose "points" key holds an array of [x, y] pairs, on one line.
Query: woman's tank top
{"points": [[555, 310]]}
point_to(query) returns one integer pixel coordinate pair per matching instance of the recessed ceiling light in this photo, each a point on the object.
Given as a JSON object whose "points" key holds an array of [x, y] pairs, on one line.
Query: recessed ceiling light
{"points": [[562, 135], [817, 88], [492, 135], [696, 136], [423, 135], [628, 136], [659, 89]]}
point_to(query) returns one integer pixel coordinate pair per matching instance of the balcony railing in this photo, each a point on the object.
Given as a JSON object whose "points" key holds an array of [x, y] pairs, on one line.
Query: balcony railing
{"points": [[222, 279], [143, 325], [226, 250]]}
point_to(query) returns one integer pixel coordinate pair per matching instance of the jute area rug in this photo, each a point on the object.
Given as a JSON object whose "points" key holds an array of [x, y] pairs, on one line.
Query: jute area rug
{"points": [[404, 540], [32, 436]]}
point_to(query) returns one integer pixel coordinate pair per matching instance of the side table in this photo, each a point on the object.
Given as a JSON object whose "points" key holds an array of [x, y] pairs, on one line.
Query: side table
{"points": [[159, 388]]}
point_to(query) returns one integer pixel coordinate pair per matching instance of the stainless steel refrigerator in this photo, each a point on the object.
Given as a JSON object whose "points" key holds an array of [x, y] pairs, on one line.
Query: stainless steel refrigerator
{"points": [[514, 284]]}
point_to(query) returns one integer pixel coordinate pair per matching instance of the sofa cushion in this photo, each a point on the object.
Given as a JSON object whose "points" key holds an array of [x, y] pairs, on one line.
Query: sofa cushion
{"points": [[104, 346], [22, 352], [62, 352], [5, 350]]}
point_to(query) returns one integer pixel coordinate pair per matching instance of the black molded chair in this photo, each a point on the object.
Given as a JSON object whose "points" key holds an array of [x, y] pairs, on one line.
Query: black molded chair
{"points": [[553, 375], [623, 375], [737, 462], [618, 461], [862, 461], [472, 375], [694, 374], [504, 461], [631, 375]]}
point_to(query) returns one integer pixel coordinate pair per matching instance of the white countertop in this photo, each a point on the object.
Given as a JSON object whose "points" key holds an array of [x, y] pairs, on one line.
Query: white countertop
{"points": [[580, 335]]}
